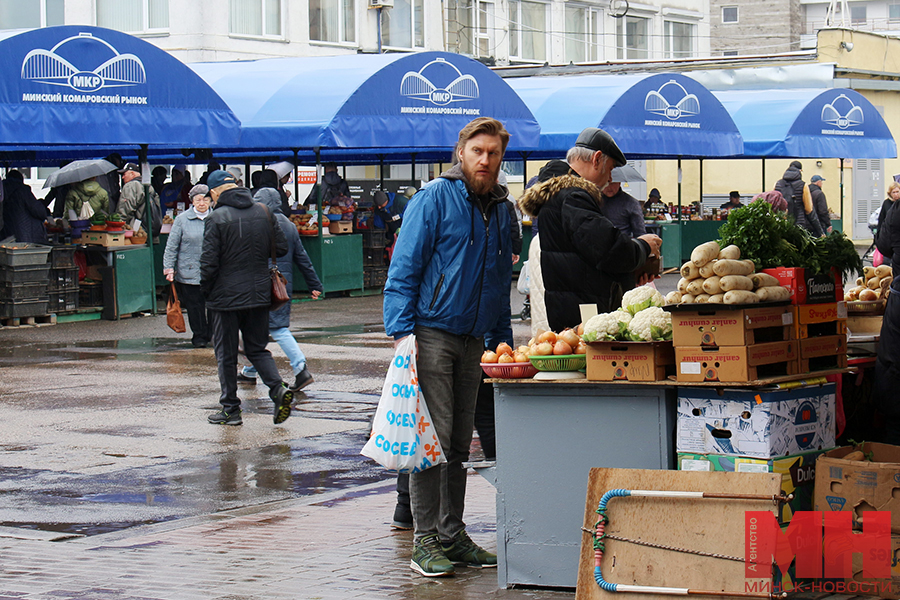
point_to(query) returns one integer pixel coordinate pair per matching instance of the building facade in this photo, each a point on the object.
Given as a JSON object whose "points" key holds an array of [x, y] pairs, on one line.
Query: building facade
{"points": [[495, 31], [754, 27]]}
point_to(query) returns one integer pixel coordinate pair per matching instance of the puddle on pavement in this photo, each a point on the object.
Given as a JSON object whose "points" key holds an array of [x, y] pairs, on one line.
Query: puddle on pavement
{"points": [[87, 504]]}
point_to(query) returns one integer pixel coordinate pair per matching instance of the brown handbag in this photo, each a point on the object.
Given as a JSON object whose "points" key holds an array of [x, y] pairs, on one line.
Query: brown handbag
{"points": [[174, 318], [280, 294]]}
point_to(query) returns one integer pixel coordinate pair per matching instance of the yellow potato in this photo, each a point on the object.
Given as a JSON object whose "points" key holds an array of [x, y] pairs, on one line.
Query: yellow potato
{"points": [[735, 282]]}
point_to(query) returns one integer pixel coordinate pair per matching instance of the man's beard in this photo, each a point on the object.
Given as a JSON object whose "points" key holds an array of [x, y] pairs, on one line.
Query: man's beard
{"points": [[479, 185]]}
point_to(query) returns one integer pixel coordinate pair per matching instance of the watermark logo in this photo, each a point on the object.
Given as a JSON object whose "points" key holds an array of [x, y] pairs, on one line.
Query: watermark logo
{"points": [[671, 101], [842, 113], [47, 66], [428, 83], [818, 545]]}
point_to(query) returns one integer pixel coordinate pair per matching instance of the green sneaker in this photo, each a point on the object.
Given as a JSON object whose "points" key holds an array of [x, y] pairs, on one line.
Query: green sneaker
{"points": [[463, 551], [428, 558], [226, 418]]}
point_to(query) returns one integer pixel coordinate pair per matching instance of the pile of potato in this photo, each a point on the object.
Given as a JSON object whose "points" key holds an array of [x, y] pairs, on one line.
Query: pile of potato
{"points": [[875, 284], [719, 276]]}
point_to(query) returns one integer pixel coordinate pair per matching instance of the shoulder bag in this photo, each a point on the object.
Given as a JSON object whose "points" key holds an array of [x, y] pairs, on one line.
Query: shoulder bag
{"points": [[280, 294], [174, 318]]}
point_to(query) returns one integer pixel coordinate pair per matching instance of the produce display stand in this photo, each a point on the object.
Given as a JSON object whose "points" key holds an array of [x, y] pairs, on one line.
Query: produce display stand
{"points": [[337, 260], [550, 434], [126, 287]]}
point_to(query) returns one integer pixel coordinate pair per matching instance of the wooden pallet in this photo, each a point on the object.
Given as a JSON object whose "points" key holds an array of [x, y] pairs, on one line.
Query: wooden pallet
{"points": [[40, 321]]}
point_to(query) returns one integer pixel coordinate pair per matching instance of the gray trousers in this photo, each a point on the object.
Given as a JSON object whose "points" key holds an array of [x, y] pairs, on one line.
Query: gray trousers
{"points": [[449, 376]]}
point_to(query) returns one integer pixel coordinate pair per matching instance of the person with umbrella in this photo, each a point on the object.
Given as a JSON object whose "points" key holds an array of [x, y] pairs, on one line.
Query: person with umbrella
{"points": [[88, 191]]}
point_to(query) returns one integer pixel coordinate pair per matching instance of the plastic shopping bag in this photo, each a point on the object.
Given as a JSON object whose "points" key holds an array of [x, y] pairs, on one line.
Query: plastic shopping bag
{"points": [[524, 283], [403, 438]]}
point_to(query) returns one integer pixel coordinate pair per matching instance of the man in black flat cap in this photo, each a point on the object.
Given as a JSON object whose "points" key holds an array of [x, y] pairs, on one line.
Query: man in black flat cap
{"points": [[585, 259]]}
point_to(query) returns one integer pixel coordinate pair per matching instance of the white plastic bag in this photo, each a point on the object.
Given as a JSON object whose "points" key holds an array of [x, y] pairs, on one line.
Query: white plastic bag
{"points": [[87, 211], [524, 283], [403, 438]]}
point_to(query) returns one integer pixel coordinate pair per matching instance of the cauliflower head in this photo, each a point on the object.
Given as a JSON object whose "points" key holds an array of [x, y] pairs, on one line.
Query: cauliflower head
{"points": [[607, 326], [641, 297], [651, 324]]}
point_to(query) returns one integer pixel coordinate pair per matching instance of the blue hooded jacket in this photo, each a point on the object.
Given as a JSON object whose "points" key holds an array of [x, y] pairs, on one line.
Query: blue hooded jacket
{"points": [[452, 264]]}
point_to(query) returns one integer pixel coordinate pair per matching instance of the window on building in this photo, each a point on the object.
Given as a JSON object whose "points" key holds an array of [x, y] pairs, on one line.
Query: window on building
{"points": [[632, 39], [858, 14], [471, 27], [255, 18], [729, 14], [528, 30], [894, 12], [730, 53], [583, 33], [679, 39], [332, 20], [133, 16], [15, 14], [404, 25]]}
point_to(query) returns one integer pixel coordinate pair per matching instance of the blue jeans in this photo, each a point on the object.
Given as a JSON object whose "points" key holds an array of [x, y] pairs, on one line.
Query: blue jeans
{"points": [[286, 340]]}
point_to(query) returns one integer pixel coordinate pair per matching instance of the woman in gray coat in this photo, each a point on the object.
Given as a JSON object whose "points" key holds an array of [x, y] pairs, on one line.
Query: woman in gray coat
{"points": [[181, 263], [280, 319]]}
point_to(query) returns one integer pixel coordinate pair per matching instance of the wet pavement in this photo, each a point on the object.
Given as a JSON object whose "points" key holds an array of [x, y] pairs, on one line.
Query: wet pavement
{"points": [[113, 486]]}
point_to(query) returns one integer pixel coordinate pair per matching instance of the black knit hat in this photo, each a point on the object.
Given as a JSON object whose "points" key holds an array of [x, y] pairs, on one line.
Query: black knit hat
{"points": [[552, 169]]}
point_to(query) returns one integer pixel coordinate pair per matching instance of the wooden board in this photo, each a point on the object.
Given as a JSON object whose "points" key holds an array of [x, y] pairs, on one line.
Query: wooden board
{"points": [[715, 526]]}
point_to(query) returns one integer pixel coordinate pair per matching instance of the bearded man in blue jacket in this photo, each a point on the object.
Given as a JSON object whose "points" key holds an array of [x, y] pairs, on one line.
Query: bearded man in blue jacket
{"points": [[449, 284]]}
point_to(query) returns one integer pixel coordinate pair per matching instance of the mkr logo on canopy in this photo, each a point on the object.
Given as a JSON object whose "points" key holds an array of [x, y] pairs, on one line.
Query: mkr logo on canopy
{"points": [[440, 83], [57, 66]]}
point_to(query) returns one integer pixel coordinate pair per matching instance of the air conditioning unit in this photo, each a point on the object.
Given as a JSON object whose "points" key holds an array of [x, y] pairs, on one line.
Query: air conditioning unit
{"points": [[381, 3]]}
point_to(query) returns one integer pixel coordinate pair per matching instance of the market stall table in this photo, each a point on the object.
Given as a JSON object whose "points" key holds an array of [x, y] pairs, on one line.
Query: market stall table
{"points": [[549, 435], [124, 270]]}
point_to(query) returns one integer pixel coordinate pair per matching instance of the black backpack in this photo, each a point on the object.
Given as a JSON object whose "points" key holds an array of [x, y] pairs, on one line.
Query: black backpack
{"points": [[883, 233]]}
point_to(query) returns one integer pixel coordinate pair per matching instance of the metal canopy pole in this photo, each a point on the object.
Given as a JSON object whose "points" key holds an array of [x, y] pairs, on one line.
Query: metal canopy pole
{"points": [[296, 178], [412, 175], [319, 194]]}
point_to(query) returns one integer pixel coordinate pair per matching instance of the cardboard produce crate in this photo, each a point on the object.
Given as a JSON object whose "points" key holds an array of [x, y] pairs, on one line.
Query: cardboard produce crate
{"points": [[807, 287], [759, 424], [719, 326], [813, 320], [104, 238], [630, 361], [798, 474], [858, 486], [736, 363], [826, 352], [339, 227]]}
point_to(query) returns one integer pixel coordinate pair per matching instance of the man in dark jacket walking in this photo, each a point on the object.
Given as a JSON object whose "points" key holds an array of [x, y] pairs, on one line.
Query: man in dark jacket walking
{"points": [[585, 259], [234, 277], [820, 203], [791, 187]]}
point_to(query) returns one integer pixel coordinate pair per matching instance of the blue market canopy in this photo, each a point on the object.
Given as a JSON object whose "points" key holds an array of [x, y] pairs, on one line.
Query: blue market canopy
{"points": [[77, 86], [387, 103], [649, 116], [829, 123]]}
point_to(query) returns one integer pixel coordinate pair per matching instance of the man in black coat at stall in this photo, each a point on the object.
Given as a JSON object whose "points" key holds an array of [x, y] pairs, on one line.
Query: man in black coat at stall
{"points": [[234, 278], [791, 187], [585, 259]]}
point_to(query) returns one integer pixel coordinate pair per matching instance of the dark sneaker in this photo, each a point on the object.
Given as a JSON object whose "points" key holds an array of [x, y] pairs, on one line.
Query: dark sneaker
{"points": [[402, 517], [463, 551], [402, 525], [226, 418], [303, 379], [428, 558], [283, 398], [244, 379]]}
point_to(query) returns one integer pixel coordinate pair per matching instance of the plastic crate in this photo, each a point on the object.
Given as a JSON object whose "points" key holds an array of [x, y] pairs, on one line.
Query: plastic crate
{"points": [[562, 362], [62, 257], [23, 308], [509, 370], [19, 291], [21, 255], [31, 273], [63, 301], [373, 257], [63, 279], [374, 238], [373, 278], [90, 294]]}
